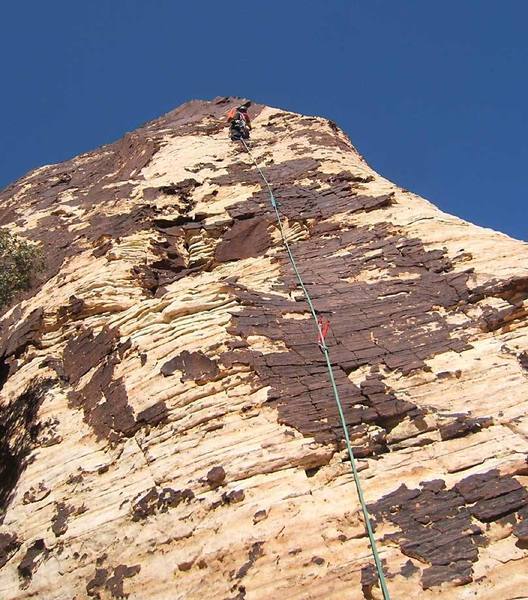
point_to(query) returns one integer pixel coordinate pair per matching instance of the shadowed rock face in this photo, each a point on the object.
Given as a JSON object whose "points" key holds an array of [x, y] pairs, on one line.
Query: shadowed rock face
{"points": [[165, 415]]}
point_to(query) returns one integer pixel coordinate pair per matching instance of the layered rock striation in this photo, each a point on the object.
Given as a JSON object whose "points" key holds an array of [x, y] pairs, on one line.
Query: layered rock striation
{"points": [[167, 426]]}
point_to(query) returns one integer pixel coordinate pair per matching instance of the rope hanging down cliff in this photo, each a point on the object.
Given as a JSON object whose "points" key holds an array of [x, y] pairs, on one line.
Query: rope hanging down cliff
{"points": [[324, 349]]}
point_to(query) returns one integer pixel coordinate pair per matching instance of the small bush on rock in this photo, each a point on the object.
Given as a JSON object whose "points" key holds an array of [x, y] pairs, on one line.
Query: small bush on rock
{"points": [[19, 262]]}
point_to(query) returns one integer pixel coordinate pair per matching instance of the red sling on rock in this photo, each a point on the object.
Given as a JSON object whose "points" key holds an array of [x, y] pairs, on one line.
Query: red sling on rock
{"points": [[324, 326]]}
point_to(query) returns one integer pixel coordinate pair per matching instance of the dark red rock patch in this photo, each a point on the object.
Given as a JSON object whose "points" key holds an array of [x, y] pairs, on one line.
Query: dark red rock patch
{"points": [[86, 351], [73, 310], [233, 497], [324, 197], [245, 172], [492, 496], [96, 583], [459, 573], [36, 493], [59, 521], [369, 580], [393, 322], [153, 415], [19, 429], [259, 516], [437, 525], [216, 476], [409, 569], [103, 399], [494, 319], [245, 239], [389, 409], [194, 366], [17, 333], [461, 426], [9, 544], [514, 291], [115, 583], [159, 500], [436, 528], [255, 552], [48, 434], [112, 580], [297, 126], [182, 191], [171, 263], [32, 559], [520, 530]]}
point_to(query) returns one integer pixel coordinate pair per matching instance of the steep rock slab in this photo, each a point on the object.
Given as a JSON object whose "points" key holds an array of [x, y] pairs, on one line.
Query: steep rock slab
{"points": [[167, 426]]}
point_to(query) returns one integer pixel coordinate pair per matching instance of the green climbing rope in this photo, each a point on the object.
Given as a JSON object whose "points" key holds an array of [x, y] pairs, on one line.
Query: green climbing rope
{"points": [[324, 348]]}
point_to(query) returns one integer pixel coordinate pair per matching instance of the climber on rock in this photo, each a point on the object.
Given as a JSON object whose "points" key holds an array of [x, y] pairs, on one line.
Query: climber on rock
{"points": [[239, 122]]}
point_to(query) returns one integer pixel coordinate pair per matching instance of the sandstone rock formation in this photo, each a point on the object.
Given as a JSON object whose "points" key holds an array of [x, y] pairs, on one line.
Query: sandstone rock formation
{"points": [[167, 428]]}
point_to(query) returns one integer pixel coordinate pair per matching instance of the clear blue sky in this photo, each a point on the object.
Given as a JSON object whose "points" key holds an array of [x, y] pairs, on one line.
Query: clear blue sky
{"points": [[433, 94]]}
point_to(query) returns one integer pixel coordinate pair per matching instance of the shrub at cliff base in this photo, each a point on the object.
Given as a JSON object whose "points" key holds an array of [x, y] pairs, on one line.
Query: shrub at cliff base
{"points": [[19, 262]]}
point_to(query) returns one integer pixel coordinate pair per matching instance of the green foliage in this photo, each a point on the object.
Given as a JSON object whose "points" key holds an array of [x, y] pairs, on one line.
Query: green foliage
{"points": [[19, 262]]}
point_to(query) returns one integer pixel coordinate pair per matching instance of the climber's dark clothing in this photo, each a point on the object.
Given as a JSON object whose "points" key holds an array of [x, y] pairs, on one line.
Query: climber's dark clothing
{"points": [[238, 130], [239, 124]]}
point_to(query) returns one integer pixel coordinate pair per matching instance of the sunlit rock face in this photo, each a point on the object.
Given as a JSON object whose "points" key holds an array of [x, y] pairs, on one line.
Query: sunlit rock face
{"points": [[167, 427]]}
